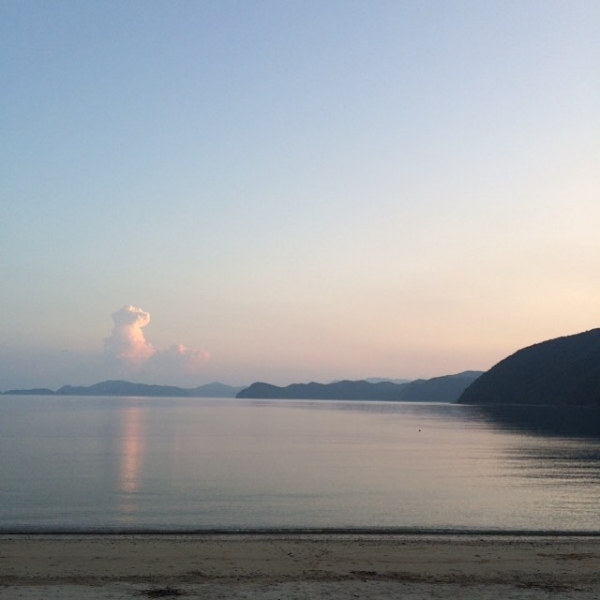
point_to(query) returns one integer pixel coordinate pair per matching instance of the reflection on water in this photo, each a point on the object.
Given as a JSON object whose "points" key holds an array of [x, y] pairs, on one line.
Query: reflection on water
{"points": [[131, 452], [206, 463], [579, 422], [553, 448]]}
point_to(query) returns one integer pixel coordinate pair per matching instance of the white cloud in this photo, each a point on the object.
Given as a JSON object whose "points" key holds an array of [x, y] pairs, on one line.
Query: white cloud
{"points": [[128, 352], [127, 345], [176, 360]]}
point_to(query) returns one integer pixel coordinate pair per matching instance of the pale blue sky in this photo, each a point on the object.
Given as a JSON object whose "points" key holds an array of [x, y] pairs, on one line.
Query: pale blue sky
{"points": [[306, 190]]}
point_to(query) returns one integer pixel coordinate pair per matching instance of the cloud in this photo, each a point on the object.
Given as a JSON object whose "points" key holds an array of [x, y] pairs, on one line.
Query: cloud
{"points": [[127, 345], [178, 358], [128, 351]]}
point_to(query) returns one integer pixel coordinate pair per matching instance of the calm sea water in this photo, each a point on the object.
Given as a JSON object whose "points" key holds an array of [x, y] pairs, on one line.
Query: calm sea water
{"points": [[180, 464]]}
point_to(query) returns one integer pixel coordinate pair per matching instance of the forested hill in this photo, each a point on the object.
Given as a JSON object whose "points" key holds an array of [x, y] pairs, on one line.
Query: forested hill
{"points": [[340, 390], [438, 389], [127, 388], [564, 372]]}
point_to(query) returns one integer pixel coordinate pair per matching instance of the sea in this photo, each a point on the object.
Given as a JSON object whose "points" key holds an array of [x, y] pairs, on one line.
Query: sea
{"points": [[123, 464]]}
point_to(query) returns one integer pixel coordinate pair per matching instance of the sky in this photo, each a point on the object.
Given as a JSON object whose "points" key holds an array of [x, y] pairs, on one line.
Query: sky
{"points": [[197, 191]]}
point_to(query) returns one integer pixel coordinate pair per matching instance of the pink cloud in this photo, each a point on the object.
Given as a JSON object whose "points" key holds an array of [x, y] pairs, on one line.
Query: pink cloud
{"points": [[127, 344], [128, 350]]}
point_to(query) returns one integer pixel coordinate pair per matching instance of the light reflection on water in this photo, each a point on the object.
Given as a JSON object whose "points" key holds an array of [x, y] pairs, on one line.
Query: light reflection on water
{"points": [[198, 464], [130, 461]]}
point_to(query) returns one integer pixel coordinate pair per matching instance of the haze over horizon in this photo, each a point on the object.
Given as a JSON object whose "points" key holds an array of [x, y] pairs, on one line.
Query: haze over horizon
{"points": [[287, 192]]}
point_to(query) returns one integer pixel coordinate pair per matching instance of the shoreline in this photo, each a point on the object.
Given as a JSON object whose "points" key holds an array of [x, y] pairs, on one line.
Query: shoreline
{"points": [[293, 565], [298, 531]]}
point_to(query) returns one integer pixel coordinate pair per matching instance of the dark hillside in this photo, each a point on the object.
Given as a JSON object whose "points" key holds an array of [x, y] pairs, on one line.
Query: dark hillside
{"points": [[447, 388], [564, 372], [439, 389]]}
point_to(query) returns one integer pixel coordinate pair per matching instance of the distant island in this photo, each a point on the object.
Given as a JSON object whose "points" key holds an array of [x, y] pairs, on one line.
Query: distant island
{"points": [[447, 388], [126, 388], [439, 389], [560, 372]]}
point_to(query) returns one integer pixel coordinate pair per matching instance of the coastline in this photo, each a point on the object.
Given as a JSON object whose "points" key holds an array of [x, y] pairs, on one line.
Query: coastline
{"points": [[282, 532], [299, 565]]}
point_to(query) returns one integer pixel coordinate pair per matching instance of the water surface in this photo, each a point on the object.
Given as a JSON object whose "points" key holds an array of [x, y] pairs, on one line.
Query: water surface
{"points": [[179, 464]]}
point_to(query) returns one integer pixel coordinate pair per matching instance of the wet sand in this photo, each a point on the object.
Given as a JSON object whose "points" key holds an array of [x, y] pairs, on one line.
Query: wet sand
{"points": [[123, 567]]}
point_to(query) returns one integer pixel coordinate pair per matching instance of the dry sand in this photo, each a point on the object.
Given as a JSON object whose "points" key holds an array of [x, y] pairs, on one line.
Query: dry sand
{"points": [[282, 567]]}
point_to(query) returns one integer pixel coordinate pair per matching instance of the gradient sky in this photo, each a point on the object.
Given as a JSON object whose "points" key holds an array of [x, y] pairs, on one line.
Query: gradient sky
{"points": [[295, 190]]}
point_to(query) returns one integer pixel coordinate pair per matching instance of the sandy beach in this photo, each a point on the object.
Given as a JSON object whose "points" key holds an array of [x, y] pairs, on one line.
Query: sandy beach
{"points": [[119, 567]]}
